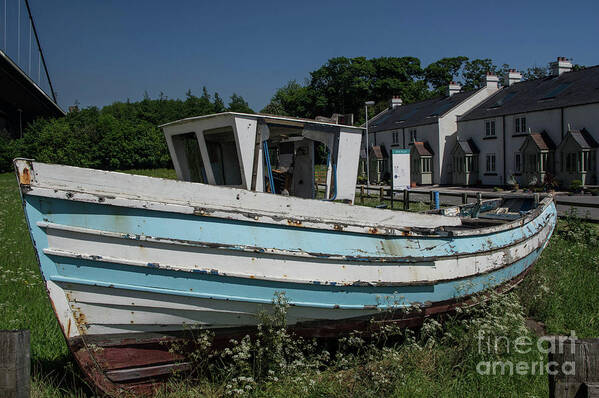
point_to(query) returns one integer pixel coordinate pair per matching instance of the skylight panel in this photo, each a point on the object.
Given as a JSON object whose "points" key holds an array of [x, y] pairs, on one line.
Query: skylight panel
{"points": [[554, 92], [442, 109], [500, 102]]}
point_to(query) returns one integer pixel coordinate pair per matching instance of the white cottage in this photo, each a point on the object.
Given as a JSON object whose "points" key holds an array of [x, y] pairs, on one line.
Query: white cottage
{"points": [[547, 108], [433, 123]]}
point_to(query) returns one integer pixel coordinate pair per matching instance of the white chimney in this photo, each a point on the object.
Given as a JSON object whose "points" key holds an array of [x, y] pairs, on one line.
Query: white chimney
{"points": [[492, 80], [395, 102], [453, 88], [560, 66], [512, 77]]}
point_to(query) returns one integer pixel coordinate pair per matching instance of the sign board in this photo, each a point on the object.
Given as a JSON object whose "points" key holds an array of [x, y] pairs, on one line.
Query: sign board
{"points": [[400, 161]]}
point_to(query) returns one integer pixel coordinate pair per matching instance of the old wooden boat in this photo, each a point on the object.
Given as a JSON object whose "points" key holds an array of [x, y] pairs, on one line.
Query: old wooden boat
{"points": [[131, 262]]}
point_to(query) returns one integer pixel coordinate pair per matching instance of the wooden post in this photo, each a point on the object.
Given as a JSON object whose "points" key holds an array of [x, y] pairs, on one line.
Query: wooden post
{"points": [[479, 198], [431, 199], [464, 198], [381, 194], [392, 194], [406, 199], [575, 367], [362, 194], [14, 363]]}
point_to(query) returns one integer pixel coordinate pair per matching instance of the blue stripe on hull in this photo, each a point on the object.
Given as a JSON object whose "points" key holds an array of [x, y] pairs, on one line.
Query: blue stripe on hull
{"points": [[222, 287], [233, 232], [228, 288]]}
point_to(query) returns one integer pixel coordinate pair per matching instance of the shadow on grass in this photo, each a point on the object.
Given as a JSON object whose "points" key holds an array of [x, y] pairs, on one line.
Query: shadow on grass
{"points": [[59, 377]]}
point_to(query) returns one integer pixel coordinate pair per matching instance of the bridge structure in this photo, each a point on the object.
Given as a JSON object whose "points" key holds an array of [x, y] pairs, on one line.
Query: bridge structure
{"points": [[26, 90]]}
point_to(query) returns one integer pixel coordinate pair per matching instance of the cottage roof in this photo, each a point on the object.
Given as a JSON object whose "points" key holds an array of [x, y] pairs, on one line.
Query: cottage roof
{"points": [[468, 147], [379, 152], [568, 89], [542, 141], [417, 113], [583, 138], [422, 148]]}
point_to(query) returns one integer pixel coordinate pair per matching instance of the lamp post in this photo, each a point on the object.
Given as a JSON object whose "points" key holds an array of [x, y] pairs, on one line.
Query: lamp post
{"points": [[366, 104]]}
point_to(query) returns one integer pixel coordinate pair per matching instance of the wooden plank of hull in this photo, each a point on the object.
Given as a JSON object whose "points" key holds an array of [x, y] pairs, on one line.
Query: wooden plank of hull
{"points": [[146, 362], [134, 191], [121, 248]]}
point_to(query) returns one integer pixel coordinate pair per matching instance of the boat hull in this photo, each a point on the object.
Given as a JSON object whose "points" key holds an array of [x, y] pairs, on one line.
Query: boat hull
{"points": [[126, 275]]}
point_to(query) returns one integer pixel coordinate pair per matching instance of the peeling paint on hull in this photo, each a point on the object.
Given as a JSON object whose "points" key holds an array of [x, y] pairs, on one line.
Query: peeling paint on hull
{"points": [[130, 271]]}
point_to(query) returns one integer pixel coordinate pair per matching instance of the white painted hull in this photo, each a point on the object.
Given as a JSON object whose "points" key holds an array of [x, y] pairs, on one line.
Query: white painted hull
{"points": [[132, 261]]}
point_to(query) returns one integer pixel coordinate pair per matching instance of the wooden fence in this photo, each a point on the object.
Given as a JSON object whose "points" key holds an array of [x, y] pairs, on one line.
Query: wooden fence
{"points": [[388, 195]]}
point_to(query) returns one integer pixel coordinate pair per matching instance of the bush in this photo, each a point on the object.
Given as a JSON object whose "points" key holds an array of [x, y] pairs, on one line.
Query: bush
{"points": [[117, 137], [550, 183], [576, 186]]}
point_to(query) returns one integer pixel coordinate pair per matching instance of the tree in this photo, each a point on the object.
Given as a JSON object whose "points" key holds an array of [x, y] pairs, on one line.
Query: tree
{"points": [[535, 72], [219, 104], [293, 99], [238, 104], [475, 71], [442, 72], [341, 85], [396, 76]]}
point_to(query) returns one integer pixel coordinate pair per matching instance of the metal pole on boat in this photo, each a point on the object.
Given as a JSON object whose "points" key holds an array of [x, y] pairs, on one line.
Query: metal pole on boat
{"points": [[367, 161]]}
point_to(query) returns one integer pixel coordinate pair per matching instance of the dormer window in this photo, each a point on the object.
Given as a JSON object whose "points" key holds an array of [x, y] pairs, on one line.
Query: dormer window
{"points": [[489, 128], [520, 124], [413, 135]]}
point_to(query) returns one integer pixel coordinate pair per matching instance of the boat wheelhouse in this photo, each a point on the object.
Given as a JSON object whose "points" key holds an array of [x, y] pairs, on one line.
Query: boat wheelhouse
{"points": [[265, 153]]}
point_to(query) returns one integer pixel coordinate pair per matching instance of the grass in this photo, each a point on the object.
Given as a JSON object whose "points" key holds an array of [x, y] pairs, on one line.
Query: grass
{"points": [[561, 291]]}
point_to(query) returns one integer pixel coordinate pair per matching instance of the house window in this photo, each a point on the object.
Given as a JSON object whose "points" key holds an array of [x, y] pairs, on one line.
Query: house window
{"points": [[570, 162], [413, 135], [491, 163], [520, 124], [543, 162], [490, 128], [426, 165], [517, 162], [416, 165], [531, 165], [584, 161], [395, 136]]}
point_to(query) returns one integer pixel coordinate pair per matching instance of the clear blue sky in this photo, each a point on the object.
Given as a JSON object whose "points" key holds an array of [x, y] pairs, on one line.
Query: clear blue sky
{"points": [[102, 51]]}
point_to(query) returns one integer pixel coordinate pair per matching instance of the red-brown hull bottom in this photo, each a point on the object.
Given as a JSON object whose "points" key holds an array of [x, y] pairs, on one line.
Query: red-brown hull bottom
{"points": [[138, 365]]}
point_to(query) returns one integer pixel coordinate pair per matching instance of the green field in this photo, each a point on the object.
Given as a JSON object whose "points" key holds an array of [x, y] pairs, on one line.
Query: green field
{"points": [[440, 360]]}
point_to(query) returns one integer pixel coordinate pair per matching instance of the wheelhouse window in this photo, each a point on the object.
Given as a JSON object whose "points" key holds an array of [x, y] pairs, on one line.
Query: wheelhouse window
{"points": [[188, 152], [395, 136], [491, 163], [489, 128], [520, 124], [517, 162], [222, 152]]}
